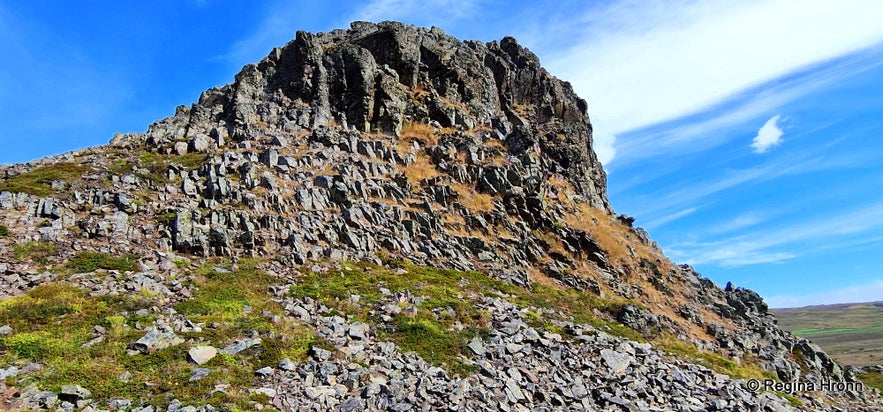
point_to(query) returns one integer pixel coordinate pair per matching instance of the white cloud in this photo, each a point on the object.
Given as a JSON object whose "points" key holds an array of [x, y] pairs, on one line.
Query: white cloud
{"points": [[768, 136], [653, 224], [641, 63], [869, 292], [845, 230]]}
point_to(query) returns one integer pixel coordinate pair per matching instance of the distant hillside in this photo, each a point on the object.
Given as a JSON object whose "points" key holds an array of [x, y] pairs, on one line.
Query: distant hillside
{"points": [[851, 333]]}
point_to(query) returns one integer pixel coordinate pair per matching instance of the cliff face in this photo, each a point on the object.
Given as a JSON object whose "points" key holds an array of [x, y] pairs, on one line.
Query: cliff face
{"points": [[394, 150], [379, 78]]}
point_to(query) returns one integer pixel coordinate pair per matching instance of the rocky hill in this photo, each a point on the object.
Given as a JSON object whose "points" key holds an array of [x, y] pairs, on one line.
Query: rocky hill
{"points": [[383, 217]]}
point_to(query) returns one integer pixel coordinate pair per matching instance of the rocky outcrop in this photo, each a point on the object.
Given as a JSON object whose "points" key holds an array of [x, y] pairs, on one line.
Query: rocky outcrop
{"points": [[390, 140]]}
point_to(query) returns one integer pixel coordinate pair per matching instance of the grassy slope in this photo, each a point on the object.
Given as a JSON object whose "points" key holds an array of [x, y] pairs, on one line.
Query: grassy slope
{"points": [[851, 333]]}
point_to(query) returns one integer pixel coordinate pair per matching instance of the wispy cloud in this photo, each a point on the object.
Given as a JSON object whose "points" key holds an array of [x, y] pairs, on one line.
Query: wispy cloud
{"points": [[847, 228], [769, 135], [868, 292], [648, 62], [653, 224]]}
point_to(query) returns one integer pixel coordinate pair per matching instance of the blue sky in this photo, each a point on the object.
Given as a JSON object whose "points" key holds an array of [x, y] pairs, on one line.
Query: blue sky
{"points": [[745, 136]]}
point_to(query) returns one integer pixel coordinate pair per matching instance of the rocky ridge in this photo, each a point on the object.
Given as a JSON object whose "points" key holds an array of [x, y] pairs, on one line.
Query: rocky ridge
{"points": [[390, 140]]}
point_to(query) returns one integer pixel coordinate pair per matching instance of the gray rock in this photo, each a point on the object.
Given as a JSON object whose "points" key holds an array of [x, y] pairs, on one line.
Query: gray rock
{"points": [[73, 393], [155, 340], [8, 372], [241, 345], [616, 361], [476, 346], [45, 399], [287, 365], [201, 354], [199, 373], [268, 392]]}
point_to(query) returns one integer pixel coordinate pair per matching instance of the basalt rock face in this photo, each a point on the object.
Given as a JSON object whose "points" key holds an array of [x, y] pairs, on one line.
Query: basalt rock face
{"points": [[389, 141], [376, 78]]}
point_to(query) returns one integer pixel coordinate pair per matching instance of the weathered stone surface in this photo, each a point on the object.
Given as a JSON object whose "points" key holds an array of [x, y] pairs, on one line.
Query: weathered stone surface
{"points": [[155, 340], [73, 393], [201, 354]]}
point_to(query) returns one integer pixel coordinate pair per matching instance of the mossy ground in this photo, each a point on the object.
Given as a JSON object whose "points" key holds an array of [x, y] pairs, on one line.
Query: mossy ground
{"points": [[38, 252], [448, 317], [38, 182], [873, 379], [747, 369], [88, 261], [52, 322]]}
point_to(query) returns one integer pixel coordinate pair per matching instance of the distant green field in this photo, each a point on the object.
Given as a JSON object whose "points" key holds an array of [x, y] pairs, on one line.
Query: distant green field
{"points": [[851, 333], [810, 332]]}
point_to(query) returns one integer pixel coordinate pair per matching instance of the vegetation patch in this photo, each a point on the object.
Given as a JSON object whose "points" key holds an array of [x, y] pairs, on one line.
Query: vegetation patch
{"points": [[52, 322], [421, 132], [38, 252], [747, 369], [873, 379], [473, 200], [89, 261], [448, 317], [38, 182], [236, 299], [4, 231], [154, 167], [419, 170]]}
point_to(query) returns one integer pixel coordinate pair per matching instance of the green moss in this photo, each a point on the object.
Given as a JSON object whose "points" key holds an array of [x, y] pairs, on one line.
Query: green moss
{"points": [[222, 295], [155, 166], [873, 379], [89, 261], [38, 182], [4, 231], [167, 218], [792, 400], [450, 299], [51, 323], [746, 369], [39, 252]]}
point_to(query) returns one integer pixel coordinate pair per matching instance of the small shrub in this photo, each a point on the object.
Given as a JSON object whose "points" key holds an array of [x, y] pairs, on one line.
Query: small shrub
{"points": [[4, 231], [38, 182], [89, 261]]}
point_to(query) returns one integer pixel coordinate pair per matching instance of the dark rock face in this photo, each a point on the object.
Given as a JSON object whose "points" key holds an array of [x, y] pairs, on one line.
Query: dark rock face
{"points": [[376, 77]]}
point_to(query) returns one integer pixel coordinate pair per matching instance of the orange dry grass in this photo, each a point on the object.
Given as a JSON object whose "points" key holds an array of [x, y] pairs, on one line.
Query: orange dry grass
{"points": [[472, 199], [422, 168], [496, 144], [610, 234], [419, 131], [665, 305], [455, 224], [457, 105], [559, 182]]}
